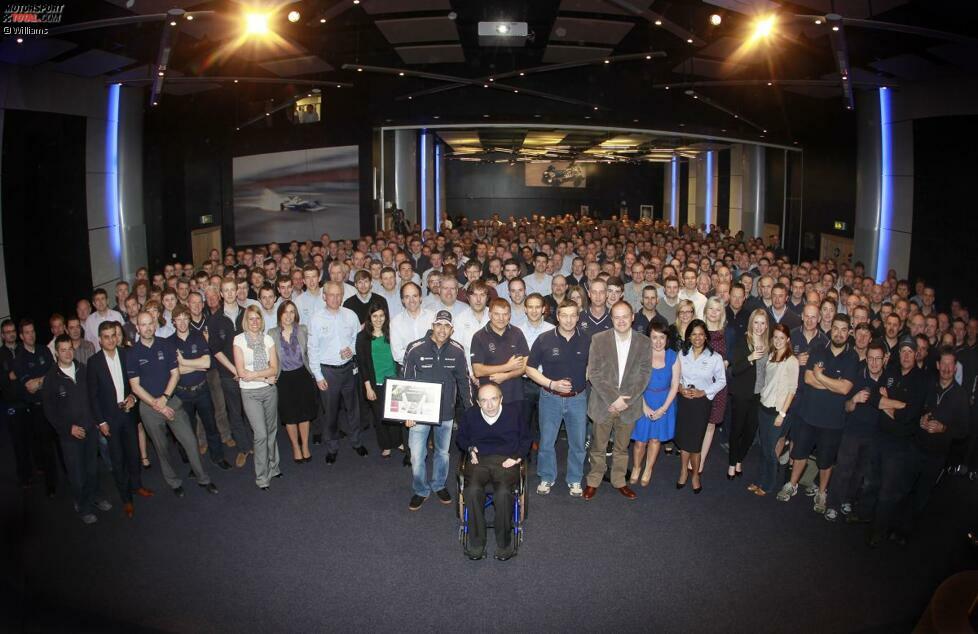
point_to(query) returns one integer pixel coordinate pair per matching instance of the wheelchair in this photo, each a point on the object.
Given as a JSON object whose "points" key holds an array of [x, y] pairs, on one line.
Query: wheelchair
{"points": [[519, 507]]}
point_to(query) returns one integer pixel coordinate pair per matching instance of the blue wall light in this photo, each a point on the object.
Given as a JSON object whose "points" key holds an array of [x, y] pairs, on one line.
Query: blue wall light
{"points": [[886, 187], [113, 211]]}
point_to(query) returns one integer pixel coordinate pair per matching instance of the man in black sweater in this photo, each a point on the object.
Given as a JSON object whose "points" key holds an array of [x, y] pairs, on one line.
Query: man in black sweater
{"points": [[494, 438]]}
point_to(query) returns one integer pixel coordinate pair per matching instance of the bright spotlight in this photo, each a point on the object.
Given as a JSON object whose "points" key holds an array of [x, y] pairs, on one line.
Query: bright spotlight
{"points": [[294, 16], [764, 27], [502, 28], [256, 23], [716, 19]]}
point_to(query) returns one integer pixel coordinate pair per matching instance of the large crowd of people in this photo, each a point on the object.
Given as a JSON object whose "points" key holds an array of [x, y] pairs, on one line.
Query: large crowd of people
{"points": [[639, 339]]}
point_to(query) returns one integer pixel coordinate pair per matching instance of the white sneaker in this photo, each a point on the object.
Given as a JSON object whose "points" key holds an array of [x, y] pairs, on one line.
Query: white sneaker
{"points": [[544, 487], [787, 492], [811, 490], [576, 490], [820, 502], [831, 515], [846, 508]]}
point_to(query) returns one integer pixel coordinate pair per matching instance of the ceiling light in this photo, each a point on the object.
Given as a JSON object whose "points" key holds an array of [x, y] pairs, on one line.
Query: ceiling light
{"points": [[835, 28], [844, 77], [268, 114], [658, 22], [667, 87], [763, 130], [715, 19], [595, 107], [436, 116], [485, 85], [689, 41], [160, 74], [516, 91], [607, 61], [502, 28], [522, 74], [587, 116], [491, 79], [339, 86], [322, 20], [648, 57], [763, 28], [770, 83], [190, 18], [401, 74], [356, 1], [173, 22], [359, 70], [485, 116], [818, 20], [156, 103], [20, 40], [294, 16], [256, 23], [410, 98]]}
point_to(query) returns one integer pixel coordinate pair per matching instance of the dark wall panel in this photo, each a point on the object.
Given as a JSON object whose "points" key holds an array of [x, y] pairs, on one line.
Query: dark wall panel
{"points": [[723, 188], [683, 193], [477, 190], [829, 189], [45, 219], [944, 220]]}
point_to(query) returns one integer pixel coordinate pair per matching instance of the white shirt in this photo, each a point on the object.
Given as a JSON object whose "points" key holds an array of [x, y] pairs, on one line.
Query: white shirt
{"points": [[535, 284], [491, 420], [70, 370], [467, 324], [95, 320], [531, 332], [698, 299], [115, 369], [621, 347], [241, 343], [705, 372], [329, 333], [405, 329], [394, 305], [270, 317]]}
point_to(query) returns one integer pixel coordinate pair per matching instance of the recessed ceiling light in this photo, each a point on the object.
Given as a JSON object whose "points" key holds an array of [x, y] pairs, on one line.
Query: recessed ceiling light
{"points": [[835, 28], [235, 81], [322, 20], [436, 116], [770, 83], [173, 22], [20, 40], [658, 22], [485, 116], [587, 116], [156, 103], [716, 19], [294, 16], [607, 61], [516, 91], [595, 107], [667, 87], [338, 86], [190, 18], [522, 74], [648, 57], [359, 70], [818, 20], [160, 74], [689, 41], [634, 120], [410, 98], [491, 79], [356, 1], [765, 131], [268, 114], [682, 125], [401, 74], [485, 85]]}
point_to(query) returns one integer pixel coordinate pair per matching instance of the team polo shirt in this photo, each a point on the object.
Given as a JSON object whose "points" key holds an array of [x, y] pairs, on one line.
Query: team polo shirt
{"points": [[221, 334], [825, 408], [864, 418], [152, 365], [193, 348], [910, 388], [560, 358], [590, 325], [488, 348]]}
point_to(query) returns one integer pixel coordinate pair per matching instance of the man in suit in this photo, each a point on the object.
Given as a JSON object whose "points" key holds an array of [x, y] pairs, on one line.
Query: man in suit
{"points": [[779, 311], [619, 364], [111, 401]]}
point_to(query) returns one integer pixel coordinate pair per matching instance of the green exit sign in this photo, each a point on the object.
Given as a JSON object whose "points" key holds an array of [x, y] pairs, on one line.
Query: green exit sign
{"points": [[209, 219], [838, 225]]}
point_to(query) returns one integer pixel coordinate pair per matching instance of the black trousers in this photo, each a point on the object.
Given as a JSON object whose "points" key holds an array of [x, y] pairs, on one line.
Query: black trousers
{"points": [[743, 426], [17, 422], [81, 462], [45, 446], [343, 392], [531, 406], [855, 477], [124, 453], [898, 470], [477, 476], [390, 434]]}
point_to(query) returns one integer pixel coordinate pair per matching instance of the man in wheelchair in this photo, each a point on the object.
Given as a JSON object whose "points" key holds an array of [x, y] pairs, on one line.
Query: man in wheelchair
{"points": [[495, 438]]}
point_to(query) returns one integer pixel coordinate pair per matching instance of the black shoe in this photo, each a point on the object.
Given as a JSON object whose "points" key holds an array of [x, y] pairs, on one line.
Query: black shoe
{"points": [[309, 459], [330, 458], [407, 461], [223, 464], [505, 555], [278, 476], [178, 492], [210, 487], [264, 488], [317, 439], [361, 451], [192, 475], [416, 502], [852, 518], [697, 491], [444, 496], [898, 538], [680, 485], [476, 556]]}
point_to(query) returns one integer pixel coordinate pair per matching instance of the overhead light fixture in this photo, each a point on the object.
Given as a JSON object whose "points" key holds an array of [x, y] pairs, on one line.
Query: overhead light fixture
{"points": [[818, 20], [339, 86], [20, 40], [436, 116], [716, 19], [173, 22], [485, 85], [522, 74], [268, 114], [401, 74], [689, 40], [835, 28], [607, 61], [359, 70], [485, 116], [595, 107], [256, 23], [491, 79], [770, 83], [658, 22], [410, 98], [763, 27], [503, 33], [156, 103], [190, 18], [322, 20], [159, 74], [648, 57], [294, 16], [668, 87], [502, 28], [356, 1], [235, 81], [516, 91]]}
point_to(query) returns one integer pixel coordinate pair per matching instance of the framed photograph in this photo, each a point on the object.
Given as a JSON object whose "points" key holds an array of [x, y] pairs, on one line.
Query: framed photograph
{"points": [[419, 401], [645, 212]]}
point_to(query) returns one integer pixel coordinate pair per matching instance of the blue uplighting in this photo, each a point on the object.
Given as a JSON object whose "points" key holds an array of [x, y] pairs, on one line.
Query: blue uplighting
{"points": [[437, 189], [674, 192], [113, 212], [708, 203], [886, 188], [424, 183]]}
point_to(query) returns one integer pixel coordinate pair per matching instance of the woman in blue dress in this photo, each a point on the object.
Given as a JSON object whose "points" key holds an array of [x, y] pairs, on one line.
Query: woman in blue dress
{"points": [[659, 408]]}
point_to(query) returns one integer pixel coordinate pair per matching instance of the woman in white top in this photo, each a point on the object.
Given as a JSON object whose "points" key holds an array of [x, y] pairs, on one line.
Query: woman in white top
{"points": [[780, 384], [256, 363], [702, 377]]}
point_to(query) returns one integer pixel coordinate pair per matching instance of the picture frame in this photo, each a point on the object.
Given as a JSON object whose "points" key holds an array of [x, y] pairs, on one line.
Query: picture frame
{"points": [[419, 401]]}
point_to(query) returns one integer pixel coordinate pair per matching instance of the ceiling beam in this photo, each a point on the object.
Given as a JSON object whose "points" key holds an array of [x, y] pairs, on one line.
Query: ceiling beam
{"points": [[840, 51], [660, 20]]}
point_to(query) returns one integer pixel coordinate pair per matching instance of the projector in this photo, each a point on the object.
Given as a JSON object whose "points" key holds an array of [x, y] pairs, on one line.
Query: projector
{"points": [[503, 33]]}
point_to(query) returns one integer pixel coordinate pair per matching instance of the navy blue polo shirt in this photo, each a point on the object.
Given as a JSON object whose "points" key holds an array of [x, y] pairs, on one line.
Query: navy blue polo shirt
{"points": [[825, 408], [152, 365], [589, 325], [799, 345], [864, 418], [642, 324], [488, 348], [221, 332], [29, 365], [562, 358], [193, 348]]}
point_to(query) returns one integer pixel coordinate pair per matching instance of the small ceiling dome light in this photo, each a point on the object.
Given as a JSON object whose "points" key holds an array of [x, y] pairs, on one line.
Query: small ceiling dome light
{"points": [[294, 16], [658, 22], [716, 19], [502, 28]]}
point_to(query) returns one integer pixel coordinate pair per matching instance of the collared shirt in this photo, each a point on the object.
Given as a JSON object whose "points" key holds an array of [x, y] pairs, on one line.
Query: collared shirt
{"points": [[405, 329], [560, 358], [536, 284], [591, 325], [69, 371], [705, 372], [531, 332], [115, 370], [221, 333], [95, 320], [308, 305], [270, 317], [330, 333], [621, 347], [641, 323], [152, 364], [467, 324], [394, 305], [490, 348], [27, 365], [864, 417], [193, 347], [825, 408]]}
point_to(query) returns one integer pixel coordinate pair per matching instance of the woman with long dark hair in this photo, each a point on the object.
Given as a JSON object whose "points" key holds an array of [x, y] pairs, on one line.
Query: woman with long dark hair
{"points": [[376, 363], [780, 384], [702, 376], [296, 388], [747, 361]]}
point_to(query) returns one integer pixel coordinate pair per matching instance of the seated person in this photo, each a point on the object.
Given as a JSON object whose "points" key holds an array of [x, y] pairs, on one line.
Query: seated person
{"points": [[494, 437]]}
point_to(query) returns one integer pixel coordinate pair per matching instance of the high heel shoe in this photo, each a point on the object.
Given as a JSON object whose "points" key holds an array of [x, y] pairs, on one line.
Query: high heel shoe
{"points": [[146, 463], [636, 472], [697, 491], [646, 477], [680, 485], [731, 476], [739, 474]]}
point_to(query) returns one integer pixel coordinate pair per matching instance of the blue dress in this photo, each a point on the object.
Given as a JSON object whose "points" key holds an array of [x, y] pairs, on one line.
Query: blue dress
{"points": [[655, 395]]}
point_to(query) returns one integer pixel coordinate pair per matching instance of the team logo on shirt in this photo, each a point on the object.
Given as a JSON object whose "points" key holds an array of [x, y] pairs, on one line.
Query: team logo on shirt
{"points": [[159, 355], [890, 382], [62, 392], [584, 325], [492, 347], [193, 348], [555, 352]]}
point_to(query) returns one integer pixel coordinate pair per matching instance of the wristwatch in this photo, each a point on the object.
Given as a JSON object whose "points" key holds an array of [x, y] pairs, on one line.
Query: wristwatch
{"points": [[782, 414], [167, 396]]}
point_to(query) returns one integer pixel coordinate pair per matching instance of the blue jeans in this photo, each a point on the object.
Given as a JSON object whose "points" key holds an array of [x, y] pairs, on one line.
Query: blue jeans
{"points": [[573, 411], [199, 403], [418, 442], [768, 435]]}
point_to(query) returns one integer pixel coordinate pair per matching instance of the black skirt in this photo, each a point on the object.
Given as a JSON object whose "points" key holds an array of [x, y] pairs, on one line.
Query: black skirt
{"points": [[297, 394], [692, 416]]}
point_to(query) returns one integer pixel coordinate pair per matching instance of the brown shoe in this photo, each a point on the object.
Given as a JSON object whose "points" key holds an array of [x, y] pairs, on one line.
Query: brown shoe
{"points": [[241, 460], [230, 442], [129, 510], [589, 492], [628, 493], [202, 449], [143, 492]]}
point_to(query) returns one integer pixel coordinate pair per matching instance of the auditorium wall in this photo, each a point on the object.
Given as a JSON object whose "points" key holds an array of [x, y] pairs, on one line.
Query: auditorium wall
{"points": [[477, 190]]}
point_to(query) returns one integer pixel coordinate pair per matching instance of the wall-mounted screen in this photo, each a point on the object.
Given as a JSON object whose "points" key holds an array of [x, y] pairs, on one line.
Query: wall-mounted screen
{"points": [[555, 174], [297, 195]]}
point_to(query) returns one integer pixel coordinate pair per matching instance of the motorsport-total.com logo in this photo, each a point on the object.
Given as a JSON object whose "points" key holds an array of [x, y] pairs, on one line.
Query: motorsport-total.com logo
{"points": [[30, 19]]}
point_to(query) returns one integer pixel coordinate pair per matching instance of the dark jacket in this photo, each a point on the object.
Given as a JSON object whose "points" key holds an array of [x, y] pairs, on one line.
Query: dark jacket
{"points": [[742, 372], [28, 365], [424, 361], [66, 400], [365, 357], [102, 398], [509, 436]]}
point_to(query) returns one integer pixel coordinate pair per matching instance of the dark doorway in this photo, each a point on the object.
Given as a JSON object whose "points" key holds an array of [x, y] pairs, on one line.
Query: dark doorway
{"points": [[45, 222]]}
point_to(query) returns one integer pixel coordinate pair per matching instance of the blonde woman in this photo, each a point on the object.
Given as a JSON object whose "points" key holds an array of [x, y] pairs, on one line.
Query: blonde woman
{"points": [[715, 316], [685, 313], [578, 296], [256, 363], [748, 358]]}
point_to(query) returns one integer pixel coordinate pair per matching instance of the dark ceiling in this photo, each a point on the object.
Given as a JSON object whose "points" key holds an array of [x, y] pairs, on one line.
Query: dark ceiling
{"points": [[432, 41]]}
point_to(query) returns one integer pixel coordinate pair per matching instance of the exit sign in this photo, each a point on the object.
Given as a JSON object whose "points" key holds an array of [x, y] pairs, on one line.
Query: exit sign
{"points": [[838, 225], [209, 219]]}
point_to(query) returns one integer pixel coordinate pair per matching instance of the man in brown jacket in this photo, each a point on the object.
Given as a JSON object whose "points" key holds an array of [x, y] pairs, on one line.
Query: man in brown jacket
{"points": [[619, 364]]}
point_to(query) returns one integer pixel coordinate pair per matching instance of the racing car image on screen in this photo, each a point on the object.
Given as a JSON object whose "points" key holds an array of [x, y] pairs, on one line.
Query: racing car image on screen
{"points": [[556, 177], [296, 203]]}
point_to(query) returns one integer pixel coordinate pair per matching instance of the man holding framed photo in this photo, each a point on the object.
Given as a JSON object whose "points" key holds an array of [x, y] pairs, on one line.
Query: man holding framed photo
{"points": [[435, 358]]}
